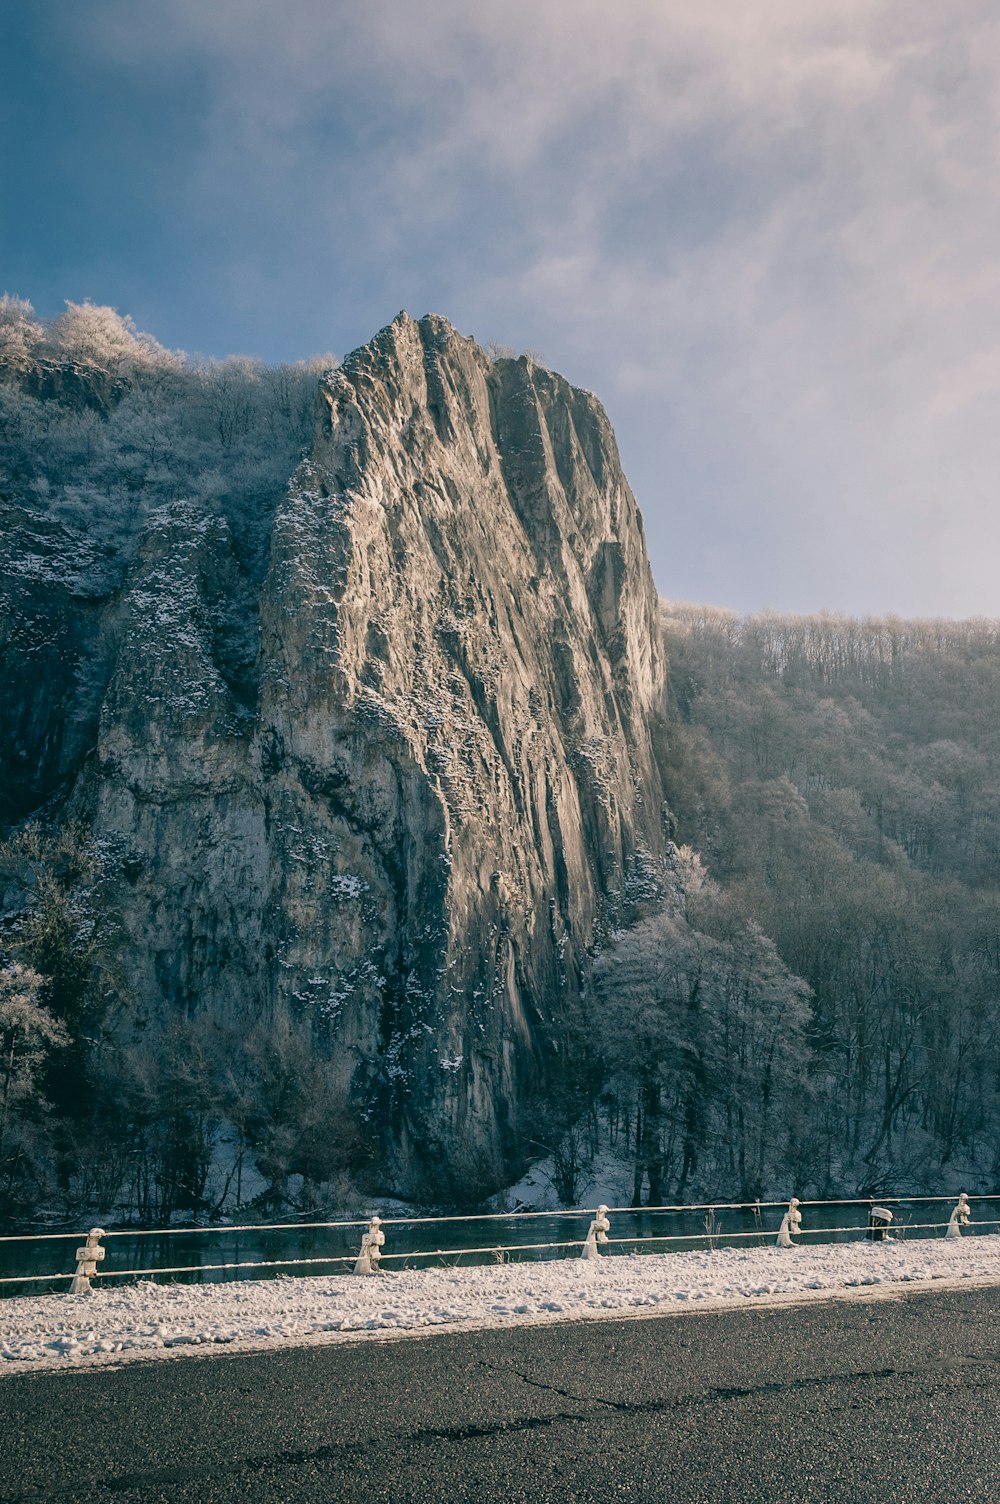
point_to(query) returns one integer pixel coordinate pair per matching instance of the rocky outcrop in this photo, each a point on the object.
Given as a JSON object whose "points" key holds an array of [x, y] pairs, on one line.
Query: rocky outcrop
{"points": [[404, 783]]}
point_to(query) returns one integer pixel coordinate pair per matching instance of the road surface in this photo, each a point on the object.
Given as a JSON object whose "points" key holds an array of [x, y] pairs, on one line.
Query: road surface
{"points": [[864, 1400]]}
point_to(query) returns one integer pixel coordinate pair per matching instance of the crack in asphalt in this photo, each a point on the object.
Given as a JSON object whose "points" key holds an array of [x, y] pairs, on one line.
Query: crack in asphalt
{"points": [[428, 1435], [722, 1392], [566, 1394]]}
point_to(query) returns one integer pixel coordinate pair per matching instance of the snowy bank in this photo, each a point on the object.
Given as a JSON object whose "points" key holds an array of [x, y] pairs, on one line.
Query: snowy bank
{"points": [[115, 1324]]}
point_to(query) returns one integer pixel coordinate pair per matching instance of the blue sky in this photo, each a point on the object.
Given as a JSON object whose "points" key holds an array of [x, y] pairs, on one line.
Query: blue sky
{"points": [[765, 232]]}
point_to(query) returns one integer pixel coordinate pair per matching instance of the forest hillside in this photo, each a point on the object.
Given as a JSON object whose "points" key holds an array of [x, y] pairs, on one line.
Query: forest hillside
{"points": [[841, 780]]}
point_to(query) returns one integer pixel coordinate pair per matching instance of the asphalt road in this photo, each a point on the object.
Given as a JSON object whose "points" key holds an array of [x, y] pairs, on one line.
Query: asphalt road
{"points": [[890, 1400]]}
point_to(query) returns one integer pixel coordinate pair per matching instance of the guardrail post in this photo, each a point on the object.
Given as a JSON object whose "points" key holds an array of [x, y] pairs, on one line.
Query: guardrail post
{"points": [[961, 1217], [371, 1248], [879, 1222], [790, 1222], [87, 1259], [599, 1229]]}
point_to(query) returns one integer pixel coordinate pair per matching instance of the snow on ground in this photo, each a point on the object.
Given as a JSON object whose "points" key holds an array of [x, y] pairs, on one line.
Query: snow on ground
{"points": [[116, 1323]]}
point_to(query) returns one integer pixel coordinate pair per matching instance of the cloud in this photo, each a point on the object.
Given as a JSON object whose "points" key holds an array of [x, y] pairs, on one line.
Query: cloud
{"points": [[775, 221]]}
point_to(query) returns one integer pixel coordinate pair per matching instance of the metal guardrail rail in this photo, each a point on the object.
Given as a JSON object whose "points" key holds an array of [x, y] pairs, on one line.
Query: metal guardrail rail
{"points": [[90, 1253]]}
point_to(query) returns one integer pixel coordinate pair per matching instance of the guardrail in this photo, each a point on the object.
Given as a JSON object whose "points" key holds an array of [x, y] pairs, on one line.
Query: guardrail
{"points": [[882, 1222]]}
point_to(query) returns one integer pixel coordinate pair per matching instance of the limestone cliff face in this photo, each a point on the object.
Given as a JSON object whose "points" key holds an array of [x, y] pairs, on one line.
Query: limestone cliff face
{"points": [[401, 782]]}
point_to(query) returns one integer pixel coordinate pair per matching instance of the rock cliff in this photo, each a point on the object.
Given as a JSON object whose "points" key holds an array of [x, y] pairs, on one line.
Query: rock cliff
{"points": [[395, 772]]}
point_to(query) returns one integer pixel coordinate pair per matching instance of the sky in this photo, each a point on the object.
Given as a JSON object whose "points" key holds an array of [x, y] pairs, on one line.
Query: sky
{"points": [[764, 232]]}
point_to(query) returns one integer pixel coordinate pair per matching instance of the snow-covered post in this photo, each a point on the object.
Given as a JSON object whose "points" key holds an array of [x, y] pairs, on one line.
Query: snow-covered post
{"points": [[790, 1222], [960, 1217], [371, 1248], [87, 1259], [879, 1222], [599, 1229]]}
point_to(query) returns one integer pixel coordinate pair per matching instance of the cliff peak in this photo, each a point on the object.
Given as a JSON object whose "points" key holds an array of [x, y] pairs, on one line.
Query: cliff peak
{"points": [[398, 783]]}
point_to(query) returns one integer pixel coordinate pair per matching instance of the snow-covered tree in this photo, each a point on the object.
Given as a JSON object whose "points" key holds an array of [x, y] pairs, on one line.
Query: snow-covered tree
{"points": [[702, 1030], [20, 331], [28, 1032], [92, 334]]}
